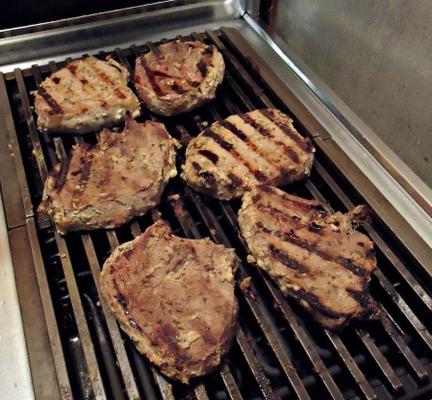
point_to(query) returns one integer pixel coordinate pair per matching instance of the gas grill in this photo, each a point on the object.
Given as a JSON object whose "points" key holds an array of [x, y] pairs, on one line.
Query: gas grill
{"points": [[75, 347]]}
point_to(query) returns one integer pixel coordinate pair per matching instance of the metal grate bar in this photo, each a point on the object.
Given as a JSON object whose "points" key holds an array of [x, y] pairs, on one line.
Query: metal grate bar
{"points": [[83, 329], [116, 339]]}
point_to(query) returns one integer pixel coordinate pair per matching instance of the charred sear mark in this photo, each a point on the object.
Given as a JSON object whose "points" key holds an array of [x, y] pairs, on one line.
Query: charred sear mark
{"points": [[86, 162], [196, 166], [178, 88], [202, 68], [231, 127], [116, 67], [285, 259], [104, 77], [56, 80], [209, 155], [266, 133], [371, 254], [72, 68], [127, 254], [122, 300], [221, 142], [315, 303], [235, 180], [294, 239], [315, 228], [260, 176], [208, 177], [209, 50], [60, 177], [304, 143], [55, 107]]}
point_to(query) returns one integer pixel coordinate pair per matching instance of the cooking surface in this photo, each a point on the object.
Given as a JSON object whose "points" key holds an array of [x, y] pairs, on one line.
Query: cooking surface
{"points": [[279, 350]]}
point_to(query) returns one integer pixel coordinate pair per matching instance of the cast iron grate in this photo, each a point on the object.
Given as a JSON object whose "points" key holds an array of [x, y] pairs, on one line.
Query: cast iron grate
{"points": [[278, 351]]}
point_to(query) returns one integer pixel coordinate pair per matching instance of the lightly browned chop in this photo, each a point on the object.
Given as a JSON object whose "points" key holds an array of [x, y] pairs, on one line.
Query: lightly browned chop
{"points": [[178, 76], [175, 299], [315, 257], [104, 186], [233, 155], [85, 96]]}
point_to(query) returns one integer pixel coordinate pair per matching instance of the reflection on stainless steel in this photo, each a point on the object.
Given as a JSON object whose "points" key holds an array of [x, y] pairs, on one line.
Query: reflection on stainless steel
{"points": [[376, 57], [278, 350]]}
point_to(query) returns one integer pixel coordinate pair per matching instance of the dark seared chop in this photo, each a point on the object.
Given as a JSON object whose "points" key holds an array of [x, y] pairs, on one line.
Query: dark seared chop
{"points": [[178, 76], [315, 257], [258, 147], [85, 96], [104, 186], [175, 298]]}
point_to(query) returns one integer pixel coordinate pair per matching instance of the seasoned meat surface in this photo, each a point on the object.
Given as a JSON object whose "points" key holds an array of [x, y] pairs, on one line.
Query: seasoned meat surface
{"points": [[175, 299], [178, 76], [85, 96], [104, 186], [258, 147], [315, 257]]}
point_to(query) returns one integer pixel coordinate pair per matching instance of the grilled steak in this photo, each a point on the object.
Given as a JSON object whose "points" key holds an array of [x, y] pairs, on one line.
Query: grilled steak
{"points": [[85, 96], [175, 298], [104, 186], [235, 154], [178, 76], [315, 257]]}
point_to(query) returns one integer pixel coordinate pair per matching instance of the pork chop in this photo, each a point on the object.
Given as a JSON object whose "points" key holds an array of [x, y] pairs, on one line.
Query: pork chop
{"points": [[104, 186], [85, 96], [233, 155], [178, 76], [175, 299], [315, 257]]}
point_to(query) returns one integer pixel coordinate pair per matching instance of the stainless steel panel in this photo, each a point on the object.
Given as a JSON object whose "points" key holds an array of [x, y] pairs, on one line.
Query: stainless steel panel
{"points": [[376, 55]]}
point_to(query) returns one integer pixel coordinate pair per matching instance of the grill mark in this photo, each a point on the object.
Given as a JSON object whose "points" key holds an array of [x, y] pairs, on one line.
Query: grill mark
{"points": [[209, 155], [281, 214], [151, 78], [103, 76], [313, 227], [178, 89], [196, 166], [315, 303], [60, 177], [260, 176], [86, 162], [208, 177], [202, 68], [122, 300], [266, 133], [285, 259], [55, 107], [302, 142], [294, 239], [72, 68], [252, 146], [235, 180]]}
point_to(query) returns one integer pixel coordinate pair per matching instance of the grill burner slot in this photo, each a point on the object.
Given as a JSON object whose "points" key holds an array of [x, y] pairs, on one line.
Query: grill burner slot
{"points": [[279, 351]]}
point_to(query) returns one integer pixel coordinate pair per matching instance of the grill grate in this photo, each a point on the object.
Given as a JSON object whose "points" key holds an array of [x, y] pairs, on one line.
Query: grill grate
{"points": [[278, 352]]}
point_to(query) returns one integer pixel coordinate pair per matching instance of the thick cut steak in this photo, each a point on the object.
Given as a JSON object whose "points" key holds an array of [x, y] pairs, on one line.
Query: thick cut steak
{"points": [[177, 76], [315, 257], [104, 186], [235, 154], [85, 96], [175, 298]]}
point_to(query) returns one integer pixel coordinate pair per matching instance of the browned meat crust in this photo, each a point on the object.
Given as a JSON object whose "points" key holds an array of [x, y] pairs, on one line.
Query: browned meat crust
{"points": [[85, 96], [178, 76], [235, 154], [315, 257], [175, 298], [123, 176]]}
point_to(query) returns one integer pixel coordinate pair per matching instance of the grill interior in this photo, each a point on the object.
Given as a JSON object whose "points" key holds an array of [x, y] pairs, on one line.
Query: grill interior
{"points": [[279, 351]]}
